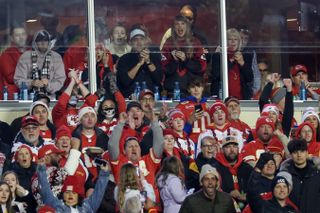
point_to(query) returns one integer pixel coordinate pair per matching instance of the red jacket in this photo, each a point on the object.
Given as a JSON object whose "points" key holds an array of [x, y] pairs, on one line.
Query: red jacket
{"points": [[242, 127], [8, 63], [252, 151], [75, 58], [62, 114], [128, 132]]}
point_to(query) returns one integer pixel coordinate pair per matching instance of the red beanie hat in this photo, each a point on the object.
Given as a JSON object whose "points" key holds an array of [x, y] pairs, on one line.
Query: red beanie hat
{"points": [[168, 132], [72, 183], [46, 209], [264, 120], [176, 113], [218, 105], [63, 131]]}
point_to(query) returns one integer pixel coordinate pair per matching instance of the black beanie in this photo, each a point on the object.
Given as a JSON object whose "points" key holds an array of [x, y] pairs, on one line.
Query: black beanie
{"points": [[278, 179], [264, 159]]}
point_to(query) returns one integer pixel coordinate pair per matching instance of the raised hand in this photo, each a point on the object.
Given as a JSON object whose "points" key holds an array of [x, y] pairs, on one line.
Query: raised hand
{"points": [[288, 83], [123, 117]]}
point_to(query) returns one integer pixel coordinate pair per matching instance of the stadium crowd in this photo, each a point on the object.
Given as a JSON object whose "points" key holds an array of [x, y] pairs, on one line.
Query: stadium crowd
{"points": [[103, 153]]}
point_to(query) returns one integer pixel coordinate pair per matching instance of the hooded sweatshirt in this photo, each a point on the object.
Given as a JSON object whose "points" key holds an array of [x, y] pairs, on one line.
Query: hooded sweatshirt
{"points": [[313, 146], [23, 72]]}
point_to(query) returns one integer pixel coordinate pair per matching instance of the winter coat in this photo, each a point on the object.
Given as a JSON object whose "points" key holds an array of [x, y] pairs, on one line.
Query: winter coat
{"points": [[198, 202], [172, 192], [241, 169], [306, 190], [130, 60]]}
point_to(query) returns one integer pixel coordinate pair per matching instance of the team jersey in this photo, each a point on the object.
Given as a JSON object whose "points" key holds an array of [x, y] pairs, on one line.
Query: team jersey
{"points": [[200, 125], [252, 151]]}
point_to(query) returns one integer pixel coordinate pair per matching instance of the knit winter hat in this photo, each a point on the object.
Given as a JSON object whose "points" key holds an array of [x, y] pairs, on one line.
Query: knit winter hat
{"points": [[63, 131], [208, 169], [264, 120], [279, 179], [309, 111], [176, 113], [37, 103], [277, 94], [218, 105], [264, 159], [288, 177], [86, 110], [270, 108], [46, 209], [72, 183], [168, 132]]}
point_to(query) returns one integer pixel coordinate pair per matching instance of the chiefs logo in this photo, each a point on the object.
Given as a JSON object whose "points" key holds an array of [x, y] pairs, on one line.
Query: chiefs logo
{"points": [[72, 120]]}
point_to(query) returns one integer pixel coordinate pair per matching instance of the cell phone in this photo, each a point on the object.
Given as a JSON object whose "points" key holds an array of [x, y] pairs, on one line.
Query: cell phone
{"points": [[100, 162], [143, 196], [198, 108]]}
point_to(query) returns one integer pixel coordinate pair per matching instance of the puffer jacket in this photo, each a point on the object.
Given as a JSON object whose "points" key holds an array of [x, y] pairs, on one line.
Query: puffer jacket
{"points": [[172, 192]]}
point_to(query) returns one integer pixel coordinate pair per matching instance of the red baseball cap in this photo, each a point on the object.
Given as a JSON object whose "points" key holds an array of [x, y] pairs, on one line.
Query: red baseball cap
{"points": [[72, 183], [298, 68], [49, 149], [29, 120], [146, 92]]}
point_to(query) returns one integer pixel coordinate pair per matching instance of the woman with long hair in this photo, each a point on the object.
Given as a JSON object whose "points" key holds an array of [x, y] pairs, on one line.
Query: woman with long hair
{"points": [[17, 191], [170, 181], [5, 198], [182, 56], [133, 183]]}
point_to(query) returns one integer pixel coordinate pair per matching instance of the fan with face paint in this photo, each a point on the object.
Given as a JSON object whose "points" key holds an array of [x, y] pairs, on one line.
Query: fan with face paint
{"points": [[107, 115]]}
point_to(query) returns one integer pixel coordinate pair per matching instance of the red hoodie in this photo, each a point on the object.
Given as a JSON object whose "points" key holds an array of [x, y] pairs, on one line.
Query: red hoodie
{"points": [[313, 145]]}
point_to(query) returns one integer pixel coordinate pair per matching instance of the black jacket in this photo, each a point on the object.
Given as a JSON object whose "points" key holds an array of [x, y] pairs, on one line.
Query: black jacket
{"points": [[24, 176], [306, 190], [127, 62], [288, 111], [246, 75], [102, 139], [258, 205], [200, 161], [243, 175]]}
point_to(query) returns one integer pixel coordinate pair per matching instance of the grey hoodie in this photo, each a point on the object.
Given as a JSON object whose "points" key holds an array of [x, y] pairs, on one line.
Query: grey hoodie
{"points": [[23, 72]]}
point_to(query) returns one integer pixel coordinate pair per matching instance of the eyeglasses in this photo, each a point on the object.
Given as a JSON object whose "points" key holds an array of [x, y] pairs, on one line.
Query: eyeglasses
{"points": [[31, 128], [208, 146]]}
